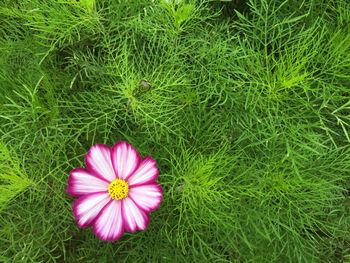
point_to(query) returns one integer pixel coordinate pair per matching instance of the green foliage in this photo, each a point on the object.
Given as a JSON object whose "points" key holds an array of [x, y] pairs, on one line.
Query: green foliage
{"points": [[13, 179], [244, 105], [179, 12], [89, 5]]}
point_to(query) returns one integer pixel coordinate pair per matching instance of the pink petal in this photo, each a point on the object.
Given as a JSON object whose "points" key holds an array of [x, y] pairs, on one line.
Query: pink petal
{"points": [[147, 172], [148, 197], [87, 207], [109, 223], [125, 159], [134, 218], [82, 182], [98, 160]]}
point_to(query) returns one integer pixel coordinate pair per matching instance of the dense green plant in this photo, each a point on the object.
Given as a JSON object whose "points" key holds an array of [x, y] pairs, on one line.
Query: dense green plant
{"points": [[244, 105], [12, 177]]}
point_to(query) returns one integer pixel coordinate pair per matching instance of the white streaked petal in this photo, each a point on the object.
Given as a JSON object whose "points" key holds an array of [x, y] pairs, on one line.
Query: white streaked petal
{"points": [[148, 196], [109, 224], [147, 172], [87, 207], [133, 217], [98, 160], [125, 159], [82, 182]]}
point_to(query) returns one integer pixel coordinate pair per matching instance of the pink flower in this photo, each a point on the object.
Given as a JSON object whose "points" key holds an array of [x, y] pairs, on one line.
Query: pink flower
{"points": [[116, 191]]}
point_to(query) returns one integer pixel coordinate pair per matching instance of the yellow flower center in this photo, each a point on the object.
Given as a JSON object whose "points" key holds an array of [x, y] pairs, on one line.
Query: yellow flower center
{"points": [[118, 189]]}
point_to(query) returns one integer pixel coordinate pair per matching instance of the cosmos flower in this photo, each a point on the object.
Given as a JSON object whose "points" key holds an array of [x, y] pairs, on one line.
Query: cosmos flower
{"points": [[116, 191]]}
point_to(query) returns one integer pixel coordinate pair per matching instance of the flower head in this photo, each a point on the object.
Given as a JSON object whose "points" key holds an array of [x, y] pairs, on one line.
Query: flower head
{"points": [[116, 191]]}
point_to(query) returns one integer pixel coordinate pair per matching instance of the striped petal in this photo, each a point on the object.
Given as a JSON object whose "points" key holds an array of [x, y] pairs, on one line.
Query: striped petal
{"points": [[109, 223], [133, 217], [125, 159], [147, 172], [148, 197], [82, 182], [87, 207], [98, 160]]}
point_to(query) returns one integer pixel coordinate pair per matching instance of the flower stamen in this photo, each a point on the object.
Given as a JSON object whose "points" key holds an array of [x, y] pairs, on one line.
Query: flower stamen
{"points": [[118, 189]]}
